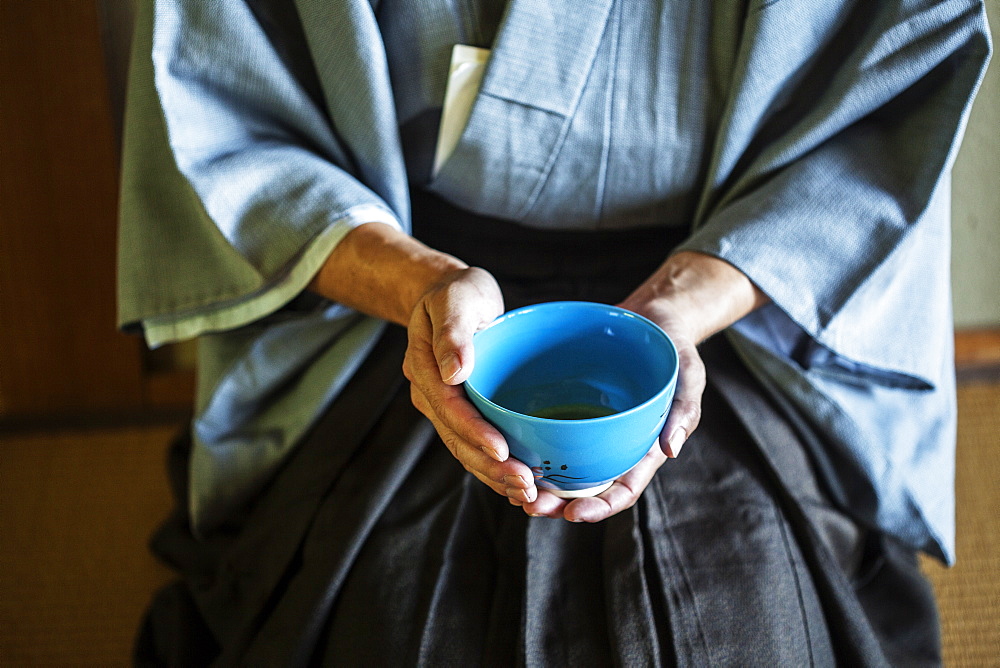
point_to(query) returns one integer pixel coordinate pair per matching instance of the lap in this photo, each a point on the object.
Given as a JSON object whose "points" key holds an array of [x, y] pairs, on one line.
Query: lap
{"points": [[375, 546], [707, 568]]}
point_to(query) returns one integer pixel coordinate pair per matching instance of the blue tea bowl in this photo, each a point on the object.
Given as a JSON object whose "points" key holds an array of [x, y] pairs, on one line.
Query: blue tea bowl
{"points": [[580, 390]]}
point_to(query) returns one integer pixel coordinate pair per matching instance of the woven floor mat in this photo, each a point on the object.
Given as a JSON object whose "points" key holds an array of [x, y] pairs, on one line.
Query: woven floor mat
{"points": [[969, 593], [76, 510]]}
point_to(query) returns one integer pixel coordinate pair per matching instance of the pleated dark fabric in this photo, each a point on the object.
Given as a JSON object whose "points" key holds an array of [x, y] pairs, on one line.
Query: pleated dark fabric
{"points": [[372, 546]]}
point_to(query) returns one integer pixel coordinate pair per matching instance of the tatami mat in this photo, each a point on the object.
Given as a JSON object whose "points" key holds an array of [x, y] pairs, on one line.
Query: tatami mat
{"points": [[77, 508], [969, 593], [76, 511]]}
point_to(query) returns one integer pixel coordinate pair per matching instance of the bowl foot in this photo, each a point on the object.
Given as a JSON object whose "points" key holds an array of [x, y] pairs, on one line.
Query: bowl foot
{"points": [[578, 493]]}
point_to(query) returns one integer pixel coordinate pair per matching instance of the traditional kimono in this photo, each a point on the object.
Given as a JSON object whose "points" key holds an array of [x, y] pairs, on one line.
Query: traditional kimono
{"points": [[806, 143]]}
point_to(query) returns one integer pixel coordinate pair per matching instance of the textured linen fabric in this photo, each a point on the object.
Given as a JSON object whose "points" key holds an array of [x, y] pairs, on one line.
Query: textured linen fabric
{"points": [[806, 143]]}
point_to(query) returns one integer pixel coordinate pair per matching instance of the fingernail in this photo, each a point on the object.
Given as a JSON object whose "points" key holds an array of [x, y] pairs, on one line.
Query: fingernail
{"points": [[576, 521], [512, 480], [492, 453], [449, 366], [676, 442], [519, 494], [536, 515]]}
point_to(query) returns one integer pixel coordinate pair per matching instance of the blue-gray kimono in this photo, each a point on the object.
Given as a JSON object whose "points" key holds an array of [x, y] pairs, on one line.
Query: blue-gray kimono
{"points": [[807, 143]]}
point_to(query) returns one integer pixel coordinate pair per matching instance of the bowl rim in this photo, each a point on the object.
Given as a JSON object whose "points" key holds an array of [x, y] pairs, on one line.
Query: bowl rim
{"points": [[606, 308]]}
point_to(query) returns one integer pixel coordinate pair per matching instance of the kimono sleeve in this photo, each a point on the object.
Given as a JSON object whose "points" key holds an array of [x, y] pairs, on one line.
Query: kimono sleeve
{"points": [[235, 185], [840, 130]]}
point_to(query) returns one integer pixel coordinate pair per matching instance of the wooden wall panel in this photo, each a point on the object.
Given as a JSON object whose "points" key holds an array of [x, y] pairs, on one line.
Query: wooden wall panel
{"points": [[59, 350]]}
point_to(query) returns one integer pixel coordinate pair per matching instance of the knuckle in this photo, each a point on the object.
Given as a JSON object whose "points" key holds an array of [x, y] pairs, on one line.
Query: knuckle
{"points": [[688, 410], [690, 415], [434, 403], [419, 402], [416, 329], [448, 335], [494, 471], [451, 442], [499, 489]]}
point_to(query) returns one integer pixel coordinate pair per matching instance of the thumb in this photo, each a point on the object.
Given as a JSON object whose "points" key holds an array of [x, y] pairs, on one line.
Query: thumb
{"points": [[452, 344], [685, 412], [455, 315]]}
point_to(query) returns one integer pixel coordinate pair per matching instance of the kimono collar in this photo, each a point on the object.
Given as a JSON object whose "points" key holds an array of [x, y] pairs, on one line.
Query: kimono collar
{"points": [[544, 51], [542, 56]]}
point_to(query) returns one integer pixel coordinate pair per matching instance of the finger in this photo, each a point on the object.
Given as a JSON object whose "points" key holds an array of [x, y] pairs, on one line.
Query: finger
{"points": [[463, 449], [494, 479], [513, 493], [449, 406], [685, 411], [546, 504], [510, 478], [447, 402], [622, 494], [521, 495]]}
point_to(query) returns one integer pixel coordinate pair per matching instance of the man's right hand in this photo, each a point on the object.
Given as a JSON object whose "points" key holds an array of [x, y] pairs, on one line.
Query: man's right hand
{"points": [[440, 357], [383, 272]]}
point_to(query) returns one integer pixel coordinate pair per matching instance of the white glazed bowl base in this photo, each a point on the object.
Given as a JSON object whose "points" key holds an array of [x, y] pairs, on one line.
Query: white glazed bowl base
{"points": [[579, 493]]}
